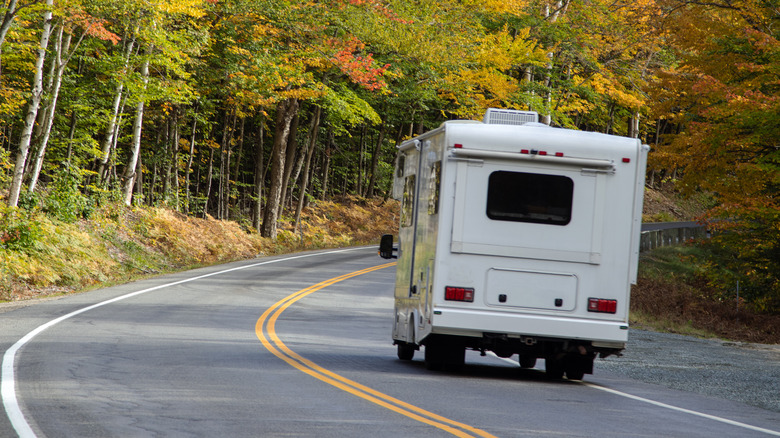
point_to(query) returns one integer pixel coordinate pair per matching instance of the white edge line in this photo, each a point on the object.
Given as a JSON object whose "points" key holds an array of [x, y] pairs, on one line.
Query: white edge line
{"points": [[664, 405], [7, 378], [683, 410]]}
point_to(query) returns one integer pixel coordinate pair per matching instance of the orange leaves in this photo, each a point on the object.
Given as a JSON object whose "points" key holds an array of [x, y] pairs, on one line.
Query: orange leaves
{"points": [[360, 68], [95, 27]]}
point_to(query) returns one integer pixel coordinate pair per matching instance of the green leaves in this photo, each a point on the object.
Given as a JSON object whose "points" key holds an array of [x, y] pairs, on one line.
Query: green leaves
{"points": [[345, 109]]}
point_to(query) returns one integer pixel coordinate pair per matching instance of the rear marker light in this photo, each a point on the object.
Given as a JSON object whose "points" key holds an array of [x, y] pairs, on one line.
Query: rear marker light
{"points": [[600, 305], [542, 152], [459, 294], [626, 160], [524, 151], [559, 154], [457, 146]]}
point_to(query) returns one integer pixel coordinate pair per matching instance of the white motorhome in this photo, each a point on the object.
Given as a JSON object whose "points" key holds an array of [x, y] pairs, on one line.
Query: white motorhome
{"points": [[516, 238]]}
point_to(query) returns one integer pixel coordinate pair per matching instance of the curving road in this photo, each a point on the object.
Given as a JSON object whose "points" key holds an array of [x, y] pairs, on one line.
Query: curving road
{"points": [[300, 346]]}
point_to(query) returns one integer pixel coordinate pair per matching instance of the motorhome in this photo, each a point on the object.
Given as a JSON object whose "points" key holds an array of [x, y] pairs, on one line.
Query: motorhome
{"points": [[516, 238]]}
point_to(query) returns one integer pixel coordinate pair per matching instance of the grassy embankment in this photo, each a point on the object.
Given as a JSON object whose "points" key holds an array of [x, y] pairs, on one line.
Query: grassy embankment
{"points": [[118, 245], [672, 294]]}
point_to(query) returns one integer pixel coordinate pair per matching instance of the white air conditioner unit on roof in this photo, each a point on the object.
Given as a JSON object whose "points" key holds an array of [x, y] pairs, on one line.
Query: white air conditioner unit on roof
{"points": [[496, 116]]}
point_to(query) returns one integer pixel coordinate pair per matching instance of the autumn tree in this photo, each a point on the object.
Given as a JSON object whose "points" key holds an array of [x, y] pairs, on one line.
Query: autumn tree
{"points": [[722, 94]]}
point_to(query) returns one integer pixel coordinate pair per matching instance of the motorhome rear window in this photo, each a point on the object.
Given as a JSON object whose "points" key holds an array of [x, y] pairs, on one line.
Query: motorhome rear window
{"points": [[530, 197]]}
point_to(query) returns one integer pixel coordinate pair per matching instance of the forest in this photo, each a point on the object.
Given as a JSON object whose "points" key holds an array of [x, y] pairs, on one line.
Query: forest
{"points": [[247, 110]]}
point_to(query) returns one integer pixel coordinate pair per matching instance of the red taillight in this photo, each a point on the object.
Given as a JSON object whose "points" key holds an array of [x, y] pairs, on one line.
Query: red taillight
{"points": [[459, 294], [602, 306], [524, 151], [559, 154], [457, 146], [626, 160]]}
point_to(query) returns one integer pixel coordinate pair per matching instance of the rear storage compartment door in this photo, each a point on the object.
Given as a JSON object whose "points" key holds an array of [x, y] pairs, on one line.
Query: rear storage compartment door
{"points": [[531, 290]]}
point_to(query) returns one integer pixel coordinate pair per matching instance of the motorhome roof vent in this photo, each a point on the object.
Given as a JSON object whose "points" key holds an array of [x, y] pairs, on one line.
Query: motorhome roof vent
{"points": [[495, 116]]}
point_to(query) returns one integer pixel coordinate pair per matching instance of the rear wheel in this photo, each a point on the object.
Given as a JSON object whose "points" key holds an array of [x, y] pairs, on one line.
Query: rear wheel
{"points": [[527, 361], [578, 365], [433, 356], [405, 351], [574, 371], [553, 367], [440, 354]]}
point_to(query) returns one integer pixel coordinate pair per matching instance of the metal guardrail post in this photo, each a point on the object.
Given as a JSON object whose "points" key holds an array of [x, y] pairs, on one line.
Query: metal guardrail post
{"points": [[669, 234]]}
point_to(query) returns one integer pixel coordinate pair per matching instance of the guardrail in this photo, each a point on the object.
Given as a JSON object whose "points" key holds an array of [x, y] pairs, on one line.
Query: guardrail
{"points": [[655, 235]]}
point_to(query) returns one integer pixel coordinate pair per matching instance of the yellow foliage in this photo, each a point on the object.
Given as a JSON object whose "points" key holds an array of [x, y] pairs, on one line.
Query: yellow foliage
{"points": [[516, 8], [616, 92], [192, 8], [503, 51]]}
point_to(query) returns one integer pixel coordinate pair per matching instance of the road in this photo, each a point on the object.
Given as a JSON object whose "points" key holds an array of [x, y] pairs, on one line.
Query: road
{"points": [[299, 346]]}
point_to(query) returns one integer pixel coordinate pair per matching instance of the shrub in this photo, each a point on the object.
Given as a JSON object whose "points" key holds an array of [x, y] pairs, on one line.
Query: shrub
{"points": [[745, 250], [19, 231], [65, 200]]}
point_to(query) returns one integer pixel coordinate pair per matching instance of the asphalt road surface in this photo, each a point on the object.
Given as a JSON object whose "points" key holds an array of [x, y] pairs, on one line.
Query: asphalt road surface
{"points": [[299, 346]]}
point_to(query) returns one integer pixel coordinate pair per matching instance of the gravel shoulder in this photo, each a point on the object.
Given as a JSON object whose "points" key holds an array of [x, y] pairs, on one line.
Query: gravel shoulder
{"points": [[742, 372]]}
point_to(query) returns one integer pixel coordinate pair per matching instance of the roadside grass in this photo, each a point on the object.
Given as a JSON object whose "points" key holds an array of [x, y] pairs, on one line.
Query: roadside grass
{"points": [[118, 244], [672, 295]]}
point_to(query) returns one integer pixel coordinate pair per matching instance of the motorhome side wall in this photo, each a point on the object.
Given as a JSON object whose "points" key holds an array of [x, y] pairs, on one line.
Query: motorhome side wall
{"points": [[418, 190]]}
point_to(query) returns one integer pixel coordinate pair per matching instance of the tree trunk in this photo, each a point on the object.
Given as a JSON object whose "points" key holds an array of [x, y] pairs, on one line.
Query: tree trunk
{"points": [[375, 160], [208, 183], [259, 166], [309, 154], [71, 133], [139, 181], [32, 111], [62, 47], [237, 169], [222, 152], [289, 161], [111, 130], [326, 170], [189, 163], [633, 125], [110, 171], [361, 157], [552, 17], [42, 120], [285, 112], [175, 159], [166, 162], [130, 173]]}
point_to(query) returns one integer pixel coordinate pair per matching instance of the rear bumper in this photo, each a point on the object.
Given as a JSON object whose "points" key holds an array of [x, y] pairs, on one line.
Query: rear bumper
{"points": [[458, 322]]}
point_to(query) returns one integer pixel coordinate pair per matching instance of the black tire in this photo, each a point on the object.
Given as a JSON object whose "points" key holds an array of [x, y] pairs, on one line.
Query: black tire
{"points": [[574, 370], [527, 361], [553, 368], [456, 358], [577, 366], [442, 355], [405, 351], [434, 357]]}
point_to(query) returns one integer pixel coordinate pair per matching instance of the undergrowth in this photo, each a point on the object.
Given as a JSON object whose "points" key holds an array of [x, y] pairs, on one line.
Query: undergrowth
{"points": [[673, 295], [41, 255]]}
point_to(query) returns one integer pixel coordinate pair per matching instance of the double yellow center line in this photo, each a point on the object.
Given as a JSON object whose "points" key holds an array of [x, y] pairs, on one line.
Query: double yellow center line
{"points": [[265, 328]]}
